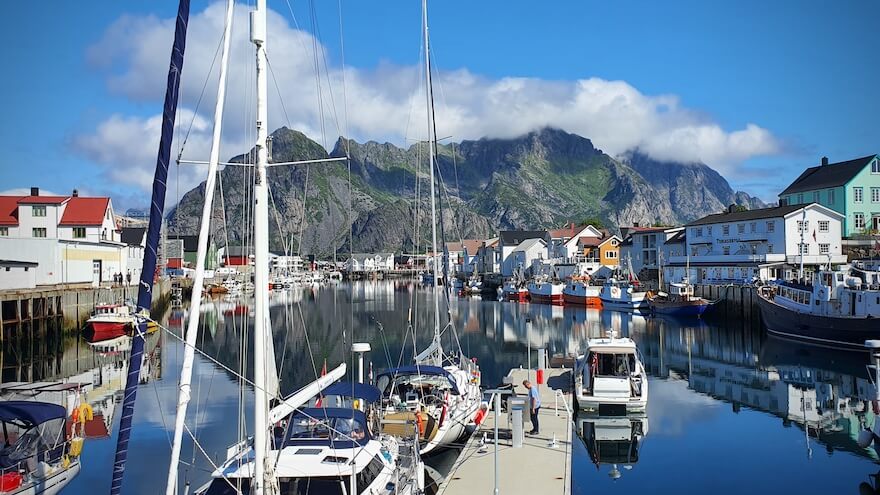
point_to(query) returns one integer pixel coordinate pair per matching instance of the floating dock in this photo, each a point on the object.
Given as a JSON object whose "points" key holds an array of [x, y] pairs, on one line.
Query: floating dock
{"points": [[540, 465]]}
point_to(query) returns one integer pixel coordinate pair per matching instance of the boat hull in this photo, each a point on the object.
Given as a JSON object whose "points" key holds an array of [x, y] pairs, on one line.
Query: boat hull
{"points": [[823, 330], [518, 296], [684, 308], [546, 293], [97, 331]]}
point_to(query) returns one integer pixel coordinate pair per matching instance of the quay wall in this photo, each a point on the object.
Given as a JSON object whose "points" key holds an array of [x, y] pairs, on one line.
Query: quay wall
{"points": [[735, 302]]}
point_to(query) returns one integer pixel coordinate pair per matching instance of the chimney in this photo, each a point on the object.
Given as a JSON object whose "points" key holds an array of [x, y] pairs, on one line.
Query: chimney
{"points": [[731, 208], [76, 193], [824, 161], [636, 224], [35, 191]]}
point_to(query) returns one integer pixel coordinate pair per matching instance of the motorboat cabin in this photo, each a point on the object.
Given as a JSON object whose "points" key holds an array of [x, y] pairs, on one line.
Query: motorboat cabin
{"points": [[609, 378]]}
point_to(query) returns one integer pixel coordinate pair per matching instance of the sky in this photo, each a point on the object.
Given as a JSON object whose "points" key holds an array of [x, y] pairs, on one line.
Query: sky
{"points": [[757, 90]]}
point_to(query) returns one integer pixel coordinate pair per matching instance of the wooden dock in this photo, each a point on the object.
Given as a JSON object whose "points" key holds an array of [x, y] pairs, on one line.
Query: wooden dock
{"points": [[539, 466]]}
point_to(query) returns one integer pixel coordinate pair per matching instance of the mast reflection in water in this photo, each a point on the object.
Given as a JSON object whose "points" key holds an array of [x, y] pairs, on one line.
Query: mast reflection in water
{"points": [[731, 411]]}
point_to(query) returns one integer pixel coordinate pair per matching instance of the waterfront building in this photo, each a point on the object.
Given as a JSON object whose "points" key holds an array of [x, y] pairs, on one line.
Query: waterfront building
{"points": [[524, 256], [641, 249], [190, 246], [489, 256], [135, 240], [564, 242], [17, 274], [609, 251], [510, 240], [462, 256], [851, 188], [72, 239], [370, 262], [765, 244]]}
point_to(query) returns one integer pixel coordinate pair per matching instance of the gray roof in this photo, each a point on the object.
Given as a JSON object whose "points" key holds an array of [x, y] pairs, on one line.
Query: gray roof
{"points": [[11, 263], [133, 236], [528, 244], [515, 237], [740, 216], [825, 176], [238, 251]]}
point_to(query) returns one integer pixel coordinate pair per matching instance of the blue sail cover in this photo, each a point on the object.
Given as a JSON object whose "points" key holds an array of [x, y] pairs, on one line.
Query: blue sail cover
{"points": [[30, 413], [157, 208], [363, 391], [422, 370]]}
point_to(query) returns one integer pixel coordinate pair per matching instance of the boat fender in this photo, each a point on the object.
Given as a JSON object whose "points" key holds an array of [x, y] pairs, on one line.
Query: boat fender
{"points": [[420, 423], [85, 413]]}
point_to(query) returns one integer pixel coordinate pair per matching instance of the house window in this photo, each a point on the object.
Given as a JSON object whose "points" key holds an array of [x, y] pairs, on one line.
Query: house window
{"points": [[824, 248], [815, 196], [4, 231], [754, 249], [857, 194], [875, 194], [860, 221], [79, 232], [771, 226], [740, 228], [769, 248], [41, 231], [800, 198], [730, 273], [39, 211], [831, 196], [709, 230], [823, 225], [693, 251], [803, 226], [753, 227], [725, 229], [804, 249], [875, 167], [611, 254], [699, 232], [726, 250]]}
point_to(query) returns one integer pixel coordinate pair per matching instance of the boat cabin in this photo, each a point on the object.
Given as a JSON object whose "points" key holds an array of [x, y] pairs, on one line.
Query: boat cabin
{"points": [[34, 445], [406, 386]]}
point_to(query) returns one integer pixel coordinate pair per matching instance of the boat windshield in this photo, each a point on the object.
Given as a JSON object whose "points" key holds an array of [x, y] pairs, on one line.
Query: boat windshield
{"points": [[42, 442], [605, 364], [335, 429]]}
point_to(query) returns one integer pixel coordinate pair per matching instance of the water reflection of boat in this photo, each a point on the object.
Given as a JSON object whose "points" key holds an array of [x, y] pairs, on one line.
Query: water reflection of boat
{"points": [[614, 441]]}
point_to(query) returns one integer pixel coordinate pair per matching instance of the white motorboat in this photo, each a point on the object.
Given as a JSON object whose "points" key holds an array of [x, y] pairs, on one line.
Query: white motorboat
{"points": [[620, 294], [610, 377]]}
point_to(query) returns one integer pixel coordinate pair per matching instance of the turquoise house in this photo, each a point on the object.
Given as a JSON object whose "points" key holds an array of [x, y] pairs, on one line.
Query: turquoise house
{"points": [[851, 188]]}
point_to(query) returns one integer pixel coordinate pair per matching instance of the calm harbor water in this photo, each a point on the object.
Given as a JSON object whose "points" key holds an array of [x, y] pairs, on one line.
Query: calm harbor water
{"points": [[730, 409]]}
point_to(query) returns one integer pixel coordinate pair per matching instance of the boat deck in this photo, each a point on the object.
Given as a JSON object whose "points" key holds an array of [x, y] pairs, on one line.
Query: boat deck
{"points": [[537, 467]]}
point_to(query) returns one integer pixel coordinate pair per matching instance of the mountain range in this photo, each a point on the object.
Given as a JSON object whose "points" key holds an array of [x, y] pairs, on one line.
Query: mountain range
{"points": [[543, 179]]}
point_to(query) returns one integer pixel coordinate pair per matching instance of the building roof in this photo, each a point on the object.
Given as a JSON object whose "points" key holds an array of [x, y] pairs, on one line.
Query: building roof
{"points": [[85, 211], [237, 250], [529, 244], [42, 200], [645, 230], [568, 231], [9, 209], [608, 238], [590, 241], [11, 263], [678, 238], [825, 176], [471, 245], [515, 237], [190, 242], [739, 216], [133, 236]]}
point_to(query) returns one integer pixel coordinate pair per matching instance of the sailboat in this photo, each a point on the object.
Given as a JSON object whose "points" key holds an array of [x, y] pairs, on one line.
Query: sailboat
{"points": [[441, 393], [294, 448]]}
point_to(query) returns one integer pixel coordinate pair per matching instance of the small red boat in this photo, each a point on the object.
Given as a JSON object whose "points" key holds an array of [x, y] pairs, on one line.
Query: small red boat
{"points": [[110, 321]]}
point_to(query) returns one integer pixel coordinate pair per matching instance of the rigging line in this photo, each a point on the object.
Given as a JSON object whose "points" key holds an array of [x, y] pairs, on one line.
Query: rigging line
{"points": [[201, 95], [302, 225], [277, 90], [284, 243], [210, 460], [344, 93]]}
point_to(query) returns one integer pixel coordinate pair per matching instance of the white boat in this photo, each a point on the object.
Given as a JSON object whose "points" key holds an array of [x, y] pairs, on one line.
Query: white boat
{"points": [[36, 457], [514, 290], [610, 377], [546, 290], [620, 294], [581, 293]]}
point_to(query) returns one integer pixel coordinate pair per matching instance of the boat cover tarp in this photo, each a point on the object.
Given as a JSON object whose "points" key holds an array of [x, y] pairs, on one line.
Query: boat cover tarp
{"points": [[330, 415], [356, 390], [423, 370], [30, 413]]}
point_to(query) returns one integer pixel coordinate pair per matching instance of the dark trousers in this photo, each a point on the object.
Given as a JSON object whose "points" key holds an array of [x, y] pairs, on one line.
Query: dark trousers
{"points": [[534, 418]]}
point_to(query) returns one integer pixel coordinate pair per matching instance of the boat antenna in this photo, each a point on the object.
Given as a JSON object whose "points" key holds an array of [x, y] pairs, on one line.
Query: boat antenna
{"points": [[148, 269]]}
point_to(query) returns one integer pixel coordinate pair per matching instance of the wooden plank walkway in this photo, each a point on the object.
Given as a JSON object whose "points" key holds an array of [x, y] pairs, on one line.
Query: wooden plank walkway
{"points": [[537, 467]]}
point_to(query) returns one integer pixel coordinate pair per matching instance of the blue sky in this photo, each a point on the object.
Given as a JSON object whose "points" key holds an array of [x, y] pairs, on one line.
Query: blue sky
{"points": [[804, 73]]}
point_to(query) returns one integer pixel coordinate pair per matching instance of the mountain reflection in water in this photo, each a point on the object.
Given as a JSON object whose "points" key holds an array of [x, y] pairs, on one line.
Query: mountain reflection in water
{"points": [[731, 411]]}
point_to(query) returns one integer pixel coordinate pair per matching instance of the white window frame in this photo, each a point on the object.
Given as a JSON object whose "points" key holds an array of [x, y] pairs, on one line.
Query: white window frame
{"points": [[875, 166], [4, 231], [875, 194], [824, 248], [740, 228], [40, 230], [824, 225], [74, 231], [858, 195], [725, 250], [771, 226], [859, 220], [38, 211], [803, 249], [815, 196], [803, 226], [725, 229]]}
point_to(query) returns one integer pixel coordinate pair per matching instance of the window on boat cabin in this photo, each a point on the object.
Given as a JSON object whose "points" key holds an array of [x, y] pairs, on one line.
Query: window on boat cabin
{"points": [[233, 486], [368, 474], [824, 248], [725, 229], [823, 225], [725, 250], [607, 364], [337, 429], [858, 192], [329, 485], [741, 228], [771, 226]]}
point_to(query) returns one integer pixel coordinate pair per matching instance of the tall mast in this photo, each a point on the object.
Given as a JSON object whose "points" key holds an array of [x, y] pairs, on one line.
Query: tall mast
{"points": [[192, 328], [263, 477], [430, 109]]}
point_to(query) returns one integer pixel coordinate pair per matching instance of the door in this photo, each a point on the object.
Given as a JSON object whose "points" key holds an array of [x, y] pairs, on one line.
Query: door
{"points": [[96, 273], [875, 223]]}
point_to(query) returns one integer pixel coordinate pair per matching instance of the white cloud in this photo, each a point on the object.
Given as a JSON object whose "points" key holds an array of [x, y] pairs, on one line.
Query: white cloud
{"points": [[381, 103], [23, 191]]}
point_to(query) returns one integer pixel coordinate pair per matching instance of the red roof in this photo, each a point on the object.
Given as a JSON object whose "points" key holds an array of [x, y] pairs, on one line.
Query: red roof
{"points": [[9, 210], [85, 211], [640, 230], [472, 246], [42, 200], [590, 241]]}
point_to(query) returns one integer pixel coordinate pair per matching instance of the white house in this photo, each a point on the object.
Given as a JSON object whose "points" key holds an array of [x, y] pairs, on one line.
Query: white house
{"points": [[489, 256], [641, 249], [370, 262], [71, 238], [564, 241], [524, 256], [510, 240], [135, 240], [462, 256], [766, 244]]}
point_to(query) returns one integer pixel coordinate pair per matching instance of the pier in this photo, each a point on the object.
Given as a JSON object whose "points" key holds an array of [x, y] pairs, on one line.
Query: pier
{"points": [[540, 465]]}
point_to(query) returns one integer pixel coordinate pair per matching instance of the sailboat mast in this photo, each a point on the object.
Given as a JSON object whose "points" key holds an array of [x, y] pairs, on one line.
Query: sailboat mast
{"points": [[430, 109], [262, 483], [192, 328]]}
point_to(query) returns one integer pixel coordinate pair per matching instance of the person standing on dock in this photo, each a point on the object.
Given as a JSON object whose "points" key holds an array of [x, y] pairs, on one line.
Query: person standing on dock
{"points": [[535, 405]]}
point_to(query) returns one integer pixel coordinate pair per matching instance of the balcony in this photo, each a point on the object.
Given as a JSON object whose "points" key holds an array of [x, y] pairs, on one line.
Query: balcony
{"points": [[731, 258], [817, 259]]}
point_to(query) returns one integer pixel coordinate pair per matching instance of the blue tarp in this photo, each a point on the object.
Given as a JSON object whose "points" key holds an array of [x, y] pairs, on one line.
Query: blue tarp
{"points": [[30, 413], [356, 390], [422, 370]]}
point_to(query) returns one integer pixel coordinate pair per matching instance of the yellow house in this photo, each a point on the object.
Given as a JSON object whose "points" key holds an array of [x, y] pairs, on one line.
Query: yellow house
{"points": [[609, 251]]}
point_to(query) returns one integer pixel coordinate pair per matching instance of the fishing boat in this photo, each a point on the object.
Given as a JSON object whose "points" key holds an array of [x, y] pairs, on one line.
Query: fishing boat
{"points": [[610, 377], [622, 295], [514, 290], [36, 457], [112, 321], [613, 441], [579, 292], [543, 289], [679, 301], [838, 309]]}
